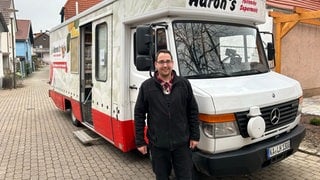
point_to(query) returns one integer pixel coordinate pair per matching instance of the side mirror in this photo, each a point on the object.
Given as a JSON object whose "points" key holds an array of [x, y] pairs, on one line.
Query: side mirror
{"points": [[144, 44], [144, 63], [144, 40], [271, 51]]}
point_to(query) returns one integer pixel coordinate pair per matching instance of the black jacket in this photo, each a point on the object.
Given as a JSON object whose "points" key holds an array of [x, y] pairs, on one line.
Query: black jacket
{"points": [[172, 119]]}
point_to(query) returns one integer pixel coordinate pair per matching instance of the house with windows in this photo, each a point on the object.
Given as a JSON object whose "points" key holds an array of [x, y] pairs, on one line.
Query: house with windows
{"points": [[41, 46], [8, 29], [3, 28], [24, 44]]}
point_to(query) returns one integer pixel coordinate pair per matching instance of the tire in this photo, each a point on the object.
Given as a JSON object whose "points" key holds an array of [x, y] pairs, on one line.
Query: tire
{"points": [[197, 175], [74, 120]]}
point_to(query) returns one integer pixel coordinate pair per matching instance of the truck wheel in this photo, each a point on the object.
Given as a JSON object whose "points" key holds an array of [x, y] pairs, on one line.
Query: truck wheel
{"points": [[75, 121], [197, 175]]}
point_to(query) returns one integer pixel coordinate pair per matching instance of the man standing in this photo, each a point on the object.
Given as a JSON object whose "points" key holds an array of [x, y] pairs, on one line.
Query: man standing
{"points": [[167, 102]]}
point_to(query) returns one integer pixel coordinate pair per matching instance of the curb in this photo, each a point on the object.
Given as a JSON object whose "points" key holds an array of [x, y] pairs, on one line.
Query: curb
{"points": [[309, 151]]}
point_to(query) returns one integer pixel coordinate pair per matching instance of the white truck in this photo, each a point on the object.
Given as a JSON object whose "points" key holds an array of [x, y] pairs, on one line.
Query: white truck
{"points": [[249, 115]]}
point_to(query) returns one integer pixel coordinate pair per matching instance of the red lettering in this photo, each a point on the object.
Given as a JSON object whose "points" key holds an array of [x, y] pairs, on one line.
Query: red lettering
{"points": [[248, 9], [251, 2]]}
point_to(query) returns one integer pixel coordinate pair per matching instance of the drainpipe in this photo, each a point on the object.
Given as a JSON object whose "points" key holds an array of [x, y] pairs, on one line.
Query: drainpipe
{"points": [[13, 56]]}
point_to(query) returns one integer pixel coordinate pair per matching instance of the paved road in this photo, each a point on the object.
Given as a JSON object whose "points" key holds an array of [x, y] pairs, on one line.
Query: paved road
{"points": [[36, 142]]}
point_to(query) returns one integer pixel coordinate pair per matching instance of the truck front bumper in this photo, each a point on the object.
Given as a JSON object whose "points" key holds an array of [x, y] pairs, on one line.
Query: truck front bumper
{"points": [[249, 158]]}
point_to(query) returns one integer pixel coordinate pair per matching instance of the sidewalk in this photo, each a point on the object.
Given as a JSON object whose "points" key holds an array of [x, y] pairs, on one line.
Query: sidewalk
{"points": [[310, 106], [37, 141]]}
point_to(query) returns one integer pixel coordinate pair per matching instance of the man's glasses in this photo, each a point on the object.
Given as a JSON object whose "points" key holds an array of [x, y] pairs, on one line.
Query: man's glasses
{"points": [[164, 62]]}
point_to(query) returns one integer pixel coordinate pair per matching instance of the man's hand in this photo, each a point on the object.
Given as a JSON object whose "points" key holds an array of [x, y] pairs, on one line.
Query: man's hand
{"points": [[143, 149], [193, 144]]}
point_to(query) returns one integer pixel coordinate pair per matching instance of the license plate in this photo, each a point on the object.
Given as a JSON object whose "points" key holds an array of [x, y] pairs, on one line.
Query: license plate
{"points": [[278, 149]]}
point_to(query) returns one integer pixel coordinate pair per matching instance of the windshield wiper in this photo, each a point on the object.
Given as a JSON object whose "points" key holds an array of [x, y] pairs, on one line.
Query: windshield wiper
{"points": [[211, 75], [248, 72]]}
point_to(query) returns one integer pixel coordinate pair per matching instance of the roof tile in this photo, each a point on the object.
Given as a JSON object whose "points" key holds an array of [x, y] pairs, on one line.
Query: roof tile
{"points": [[313, 5]]}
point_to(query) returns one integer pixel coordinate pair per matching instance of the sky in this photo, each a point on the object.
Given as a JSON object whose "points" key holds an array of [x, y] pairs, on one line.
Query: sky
{"points": [[44, 14]]}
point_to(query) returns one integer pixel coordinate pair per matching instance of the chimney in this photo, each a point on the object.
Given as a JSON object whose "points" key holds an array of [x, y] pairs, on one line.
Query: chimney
{"points": [[77, 7]]}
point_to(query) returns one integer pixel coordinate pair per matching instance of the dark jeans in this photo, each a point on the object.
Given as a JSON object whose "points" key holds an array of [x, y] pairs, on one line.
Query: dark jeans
{"points": [[179, 158]]}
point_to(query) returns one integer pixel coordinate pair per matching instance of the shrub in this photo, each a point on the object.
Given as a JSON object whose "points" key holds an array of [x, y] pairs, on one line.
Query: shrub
{"points": [[315, 121]]}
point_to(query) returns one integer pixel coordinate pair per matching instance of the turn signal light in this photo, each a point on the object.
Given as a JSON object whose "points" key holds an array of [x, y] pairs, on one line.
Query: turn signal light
{"points": [[220, 118]]}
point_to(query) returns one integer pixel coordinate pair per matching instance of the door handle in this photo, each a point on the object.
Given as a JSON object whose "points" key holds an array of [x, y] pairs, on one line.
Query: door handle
{"points": [[133, 86]]}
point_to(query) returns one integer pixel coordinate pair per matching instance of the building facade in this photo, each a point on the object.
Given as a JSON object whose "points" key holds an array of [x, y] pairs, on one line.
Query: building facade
{"points": [[74, 7], [8, 46], [24, 44], [41, 46]]}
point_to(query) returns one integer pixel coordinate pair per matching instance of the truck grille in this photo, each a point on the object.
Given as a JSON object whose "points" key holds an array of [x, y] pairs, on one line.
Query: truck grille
{"points": [[288, 113]]}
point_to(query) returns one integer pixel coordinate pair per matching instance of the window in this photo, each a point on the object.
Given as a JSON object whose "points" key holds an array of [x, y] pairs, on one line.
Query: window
{"points": [[161, 39], [101, 52], [213, 50], [74, 46]]}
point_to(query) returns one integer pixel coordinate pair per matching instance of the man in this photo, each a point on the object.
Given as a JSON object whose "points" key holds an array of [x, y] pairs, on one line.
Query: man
{"points": [[172, 120]]}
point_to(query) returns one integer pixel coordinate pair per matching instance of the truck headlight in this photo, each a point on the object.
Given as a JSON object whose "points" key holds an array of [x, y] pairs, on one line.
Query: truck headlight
{"points": [[208, 130], [220, 130], [218, 126], [226, 129]]}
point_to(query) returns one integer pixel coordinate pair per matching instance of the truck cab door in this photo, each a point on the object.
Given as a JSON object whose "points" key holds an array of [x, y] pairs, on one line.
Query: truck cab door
{"points": [[141, 66], [136, 76]]}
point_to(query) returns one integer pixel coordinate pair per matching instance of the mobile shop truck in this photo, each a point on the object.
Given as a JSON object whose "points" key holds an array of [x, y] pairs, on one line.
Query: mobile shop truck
{"points": [[249, 115]]}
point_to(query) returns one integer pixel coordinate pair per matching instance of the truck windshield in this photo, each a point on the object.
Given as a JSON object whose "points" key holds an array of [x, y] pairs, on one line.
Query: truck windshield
{"points": [[213, 50]]}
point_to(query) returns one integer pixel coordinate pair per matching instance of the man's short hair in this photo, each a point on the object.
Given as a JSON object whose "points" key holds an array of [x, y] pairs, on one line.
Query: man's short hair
{"points": [[163, 51]]}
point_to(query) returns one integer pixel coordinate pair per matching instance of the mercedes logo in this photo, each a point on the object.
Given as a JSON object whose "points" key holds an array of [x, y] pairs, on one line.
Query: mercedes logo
{"points": [[275, 116]]}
